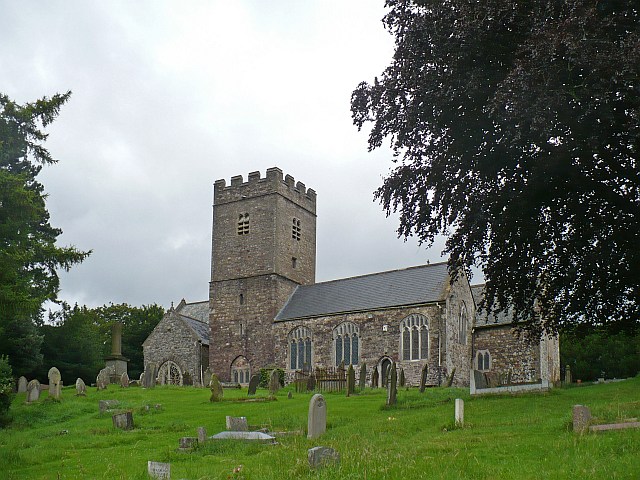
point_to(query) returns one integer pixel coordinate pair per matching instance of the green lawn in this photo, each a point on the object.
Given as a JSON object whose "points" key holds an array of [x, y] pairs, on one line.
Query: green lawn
{"points": [[526, 436]]}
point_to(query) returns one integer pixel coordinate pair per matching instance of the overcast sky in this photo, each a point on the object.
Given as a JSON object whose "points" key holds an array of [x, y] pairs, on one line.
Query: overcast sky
{"points": [[169, 97]]}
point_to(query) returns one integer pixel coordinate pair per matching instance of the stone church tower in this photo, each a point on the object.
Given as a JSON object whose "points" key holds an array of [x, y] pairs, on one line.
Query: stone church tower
{"points": [[263, 247]]}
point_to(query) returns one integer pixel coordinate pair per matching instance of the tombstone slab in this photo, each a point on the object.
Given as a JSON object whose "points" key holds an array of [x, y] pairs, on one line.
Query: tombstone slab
{"points": [[159, 470], [187, 443], [33, 391], [106, 405], [81, 388], [55, 383], [249, 436], [253, 384], [322, 457], [317, 418], [22, 385], [123, 421], [237, 424]]}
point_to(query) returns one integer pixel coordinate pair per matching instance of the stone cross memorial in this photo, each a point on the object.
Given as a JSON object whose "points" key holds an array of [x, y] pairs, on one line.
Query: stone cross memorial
{"points": [[55, 383], [317, 420]]}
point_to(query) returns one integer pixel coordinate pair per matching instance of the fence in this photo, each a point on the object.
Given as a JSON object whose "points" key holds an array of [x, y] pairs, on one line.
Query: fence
{"points": [[321, 379]]}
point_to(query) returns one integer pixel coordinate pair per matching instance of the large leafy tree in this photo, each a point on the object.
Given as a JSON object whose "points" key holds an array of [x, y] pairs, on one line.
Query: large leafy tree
{"points": [[515, 127], [29, 256]]}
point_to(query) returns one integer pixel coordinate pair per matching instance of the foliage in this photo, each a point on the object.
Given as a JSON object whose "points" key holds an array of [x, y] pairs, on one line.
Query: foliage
{"points": [[6, 390], [600, 354], [265, 376], [523, 437], [29, 256], [516, 127]]}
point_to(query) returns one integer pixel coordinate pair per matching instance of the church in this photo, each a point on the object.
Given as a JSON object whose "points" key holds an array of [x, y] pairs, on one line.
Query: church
{"points": [[266, 310]]}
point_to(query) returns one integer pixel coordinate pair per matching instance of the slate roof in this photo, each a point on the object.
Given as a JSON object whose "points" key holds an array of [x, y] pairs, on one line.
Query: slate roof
{"points": [[396, 288], [196, 316], [482, 319]]}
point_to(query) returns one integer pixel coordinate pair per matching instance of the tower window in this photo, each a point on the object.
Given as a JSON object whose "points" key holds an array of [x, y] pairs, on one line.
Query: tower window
{"points": [[295, 229], [294, 262], [243, 224], [242, 299]]}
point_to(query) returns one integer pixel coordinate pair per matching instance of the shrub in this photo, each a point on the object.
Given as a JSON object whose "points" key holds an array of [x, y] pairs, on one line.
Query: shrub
{"points": [[6, 390], [265, 374]]}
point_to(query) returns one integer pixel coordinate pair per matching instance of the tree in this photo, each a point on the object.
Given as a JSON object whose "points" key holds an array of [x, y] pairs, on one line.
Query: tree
{"points": [[515, 128], [29, 257]]}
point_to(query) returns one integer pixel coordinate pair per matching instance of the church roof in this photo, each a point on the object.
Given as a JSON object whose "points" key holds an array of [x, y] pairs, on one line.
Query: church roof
{"points": [[396, 288], [196, 316], [482, 319]]}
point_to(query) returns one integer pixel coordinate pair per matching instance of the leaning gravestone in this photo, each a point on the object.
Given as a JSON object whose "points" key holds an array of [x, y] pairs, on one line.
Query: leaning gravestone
{"points": [[123, 421], [322, 457], [22, 385], [392, 386], [253, 384], [317, 420], [351, 381], [159, 470], [274, 382], [423, 378], [402, 379], [81, 388], [216, 389], [363, 376], [55, 383], [124, 380], [33, 391], [237, 424]]}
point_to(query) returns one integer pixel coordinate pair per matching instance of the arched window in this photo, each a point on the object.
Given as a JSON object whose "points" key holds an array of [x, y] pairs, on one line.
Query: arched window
{"points": [[300, 348], [414, 337], [169, 373], [483, 360], [240, 370], [346, 339], [462, 325]]}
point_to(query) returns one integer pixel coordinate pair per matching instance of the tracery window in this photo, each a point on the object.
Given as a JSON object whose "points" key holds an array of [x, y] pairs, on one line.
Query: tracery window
{"points": [[462, 325], [169, 373], [346, 340], [240, 370], [243, 224], [295, 229], [414, 337], [300, 348], [483, 360]]}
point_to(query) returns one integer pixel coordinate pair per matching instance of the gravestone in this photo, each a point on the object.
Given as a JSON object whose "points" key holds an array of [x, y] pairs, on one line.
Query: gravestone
{"points": [[207, 377], [480, 379], [187, 443], [259, 437], [150, 375], [22, 385], [374, 378], [449, 381], [33, 391], [274, 382], [159, 470], [493, 380], [81, 388], [459, 412], [216, 389], [102, 380], [392, 386], [363, 376], [124, 380], [106, 405], [290, 395], [311, 382], [237, 424], [351, 381], [317, 419], [202, 435], [141, 379], [123, 421], [402, 380], [187, 381], [423, 377], [567, 374], [581, 418], [322, 457], [55, 383], [253, 384]]}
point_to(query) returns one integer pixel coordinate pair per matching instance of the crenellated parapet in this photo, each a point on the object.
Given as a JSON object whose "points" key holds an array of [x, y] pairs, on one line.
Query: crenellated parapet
{"points": [[256, 186]]}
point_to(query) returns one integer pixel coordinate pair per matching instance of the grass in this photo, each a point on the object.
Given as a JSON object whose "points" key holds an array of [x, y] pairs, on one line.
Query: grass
{"points": [[524, 437]]}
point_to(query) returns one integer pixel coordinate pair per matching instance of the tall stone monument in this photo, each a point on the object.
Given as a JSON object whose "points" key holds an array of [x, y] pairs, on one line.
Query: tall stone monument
{"points": [[116, 363]]}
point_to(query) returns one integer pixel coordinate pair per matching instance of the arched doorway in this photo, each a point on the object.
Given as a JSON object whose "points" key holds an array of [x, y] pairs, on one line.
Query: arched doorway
{"points": [[169, 373], [382, 371]]}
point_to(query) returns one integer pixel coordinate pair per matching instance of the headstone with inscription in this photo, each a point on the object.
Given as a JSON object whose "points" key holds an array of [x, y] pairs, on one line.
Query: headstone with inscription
{"points": [[237, 424], [159, 470], [123, 421], [55, 383], [253, 384], [22, 385], [81, 388], [581, 418], [322, 457], [33, 391], [363, 376], [216, 389], [317, 419], [392, 386]]}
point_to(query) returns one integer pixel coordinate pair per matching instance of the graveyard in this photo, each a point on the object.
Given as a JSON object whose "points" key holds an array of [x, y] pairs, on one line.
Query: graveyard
{"points": [[513, 436]]}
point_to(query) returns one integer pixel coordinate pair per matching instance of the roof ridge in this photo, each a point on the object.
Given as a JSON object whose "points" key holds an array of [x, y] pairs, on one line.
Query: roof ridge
{"points": [[414, 267], [191, 318]]}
